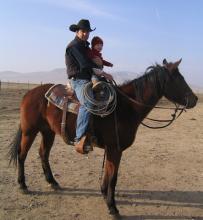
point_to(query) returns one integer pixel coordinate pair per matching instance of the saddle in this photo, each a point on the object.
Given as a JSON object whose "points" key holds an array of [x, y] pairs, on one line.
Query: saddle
{"points": [[63, 97]]}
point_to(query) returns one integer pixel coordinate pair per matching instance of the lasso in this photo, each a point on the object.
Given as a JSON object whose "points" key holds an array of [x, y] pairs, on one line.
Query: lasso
{"points": [[102, 107]]}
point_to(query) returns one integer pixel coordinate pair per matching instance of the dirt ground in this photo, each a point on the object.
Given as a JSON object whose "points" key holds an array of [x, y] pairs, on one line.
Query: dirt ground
{"points": [[160, 177]]}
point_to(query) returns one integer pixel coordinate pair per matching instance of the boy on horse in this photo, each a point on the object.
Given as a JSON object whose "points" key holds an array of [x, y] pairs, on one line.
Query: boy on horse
{"points": [[80, 69], [96, 56]]}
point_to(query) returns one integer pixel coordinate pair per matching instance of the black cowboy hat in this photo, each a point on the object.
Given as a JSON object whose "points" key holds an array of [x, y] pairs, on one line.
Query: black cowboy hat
{"points": [[82, 24]]}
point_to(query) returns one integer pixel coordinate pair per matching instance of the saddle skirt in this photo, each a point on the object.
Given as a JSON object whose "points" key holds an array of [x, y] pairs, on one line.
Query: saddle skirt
{"points": [[63, 97]]}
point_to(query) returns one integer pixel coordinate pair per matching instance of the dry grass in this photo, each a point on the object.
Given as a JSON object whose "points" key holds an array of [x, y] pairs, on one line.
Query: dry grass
{"points": [[160, 177]]}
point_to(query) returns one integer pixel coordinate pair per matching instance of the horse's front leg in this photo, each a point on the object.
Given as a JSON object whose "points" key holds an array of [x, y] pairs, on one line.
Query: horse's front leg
{"points": [[110, 179], [105, 181]]}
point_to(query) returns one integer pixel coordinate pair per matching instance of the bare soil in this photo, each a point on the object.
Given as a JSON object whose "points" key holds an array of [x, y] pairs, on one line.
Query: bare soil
{"points": [[160, 177]]}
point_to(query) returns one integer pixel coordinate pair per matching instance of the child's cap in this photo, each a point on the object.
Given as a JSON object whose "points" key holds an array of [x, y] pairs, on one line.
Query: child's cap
{"points": [[96, 40]]}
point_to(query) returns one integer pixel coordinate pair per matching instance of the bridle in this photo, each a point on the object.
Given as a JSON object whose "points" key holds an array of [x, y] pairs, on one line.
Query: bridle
{"points": [[177, 110]]}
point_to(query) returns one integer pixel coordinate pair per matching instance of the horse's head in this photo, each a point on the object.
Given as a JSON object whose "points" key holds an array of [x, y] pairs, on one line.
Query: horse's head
{"points": [[176, 89]]}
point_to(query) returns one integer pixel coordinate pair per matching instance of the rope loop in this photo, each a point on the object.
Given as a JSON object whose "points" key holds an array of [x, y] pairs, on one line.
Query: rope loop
{"points": [[103, 106]]}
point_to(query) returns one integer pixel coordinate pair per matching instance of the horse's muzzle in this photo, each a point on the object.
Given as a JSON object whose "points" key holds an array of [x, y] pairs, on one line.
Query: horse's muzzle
{"points": [[191, 100]]}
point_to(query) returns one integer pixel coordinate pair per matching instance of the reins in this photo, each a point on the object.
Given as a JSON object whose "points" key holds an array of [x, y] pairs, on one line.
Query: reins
{"points": [[169, 121]]}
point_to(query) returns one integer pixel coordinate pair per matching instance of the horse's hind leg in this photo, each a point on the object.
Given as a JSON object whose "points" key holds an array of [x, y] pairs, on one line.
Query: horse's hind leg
{"points": [[26, 142], [45, 147]]}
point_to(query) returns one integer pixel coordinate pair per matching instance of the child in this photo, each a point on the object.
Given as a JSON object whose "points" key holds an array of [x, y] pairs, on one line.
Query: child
{"points": [[95, 55]]}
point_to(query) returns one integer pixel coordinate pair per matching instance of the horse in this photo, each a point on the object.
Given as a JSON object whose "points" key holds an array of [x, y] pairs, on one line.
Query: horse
{"points": [[135, 99]]}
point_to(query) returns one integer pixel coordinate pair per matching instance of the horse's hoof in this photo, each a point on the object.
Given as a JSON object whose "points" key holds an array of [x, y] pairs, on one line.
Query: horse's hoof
{"points": [[56, 187], [23, 190], [116, 217], [114, 211]]}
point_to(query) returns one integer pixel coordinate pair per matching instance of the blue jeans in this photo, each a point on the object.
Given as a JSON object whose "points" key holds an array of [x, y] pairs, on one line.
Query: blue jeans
{"points": [[83, 114]]}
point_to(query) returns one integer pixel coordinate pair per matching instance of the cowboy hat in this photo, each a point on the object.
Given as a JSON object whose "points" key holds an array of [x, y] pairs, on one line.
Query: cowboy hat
{"points": [[82, 24]]}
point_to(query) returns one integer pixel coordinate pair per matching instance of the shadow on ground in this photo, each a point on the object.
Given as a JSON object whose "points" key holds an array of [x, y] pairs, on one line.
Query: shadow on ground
{"points": [[193, 199]]}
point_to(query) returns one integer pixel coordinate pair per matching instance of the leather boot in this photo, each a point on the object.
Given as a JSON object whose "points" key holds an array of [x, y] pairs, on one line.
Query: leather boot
{"points": [[83, 146]]}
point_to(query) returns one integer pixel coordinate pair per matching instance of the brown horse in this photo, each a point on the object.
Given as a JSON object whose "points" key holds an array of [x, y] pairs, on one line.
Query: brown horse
{"points": [[37, 116]]}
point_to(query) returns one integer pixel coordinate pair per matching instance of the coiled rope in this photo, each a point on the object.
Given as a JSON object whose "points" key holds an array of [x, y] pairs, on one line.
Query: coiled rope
{"points": [[103, 106]]}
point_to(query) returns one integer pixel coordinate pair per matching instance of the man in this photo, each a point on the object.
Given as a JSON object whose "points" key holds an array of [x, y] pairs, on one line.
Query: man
{"points": [[80, 69]]}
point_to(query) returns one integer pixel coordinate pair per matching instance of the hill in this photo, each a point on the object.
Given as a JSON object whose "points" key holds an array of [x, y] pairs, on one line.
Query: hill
{"points": [[59, 75], [54, 76]]}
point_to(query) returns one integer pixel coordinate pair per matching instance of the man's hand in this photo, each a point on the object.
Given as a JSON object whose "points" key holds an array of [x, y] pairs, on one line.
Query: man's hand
{"points": [[108, 76], [99, 72]]}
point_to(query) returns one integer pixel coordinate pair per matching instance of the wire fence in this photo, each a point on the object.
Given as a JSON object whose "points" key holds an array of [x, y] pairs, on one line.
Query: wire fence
{"points": [[27, 86], [17, 85]]}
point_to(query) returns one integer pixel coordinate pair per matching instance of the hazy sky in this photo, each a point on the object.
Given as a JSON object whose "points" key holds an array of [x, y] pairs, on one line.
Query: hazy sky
{"points": [[136, 34]]}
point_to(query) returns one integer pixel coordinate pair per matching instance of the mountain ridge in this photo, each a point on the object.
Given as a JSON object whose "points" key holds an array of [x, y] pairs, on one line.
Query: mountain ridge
{"points": [[58, 75]]}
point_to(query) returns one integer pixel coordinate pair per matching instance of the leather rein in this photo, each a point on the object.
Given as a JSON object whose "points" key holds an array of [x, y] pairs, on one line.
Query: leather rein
{"points": [[174, 116]]}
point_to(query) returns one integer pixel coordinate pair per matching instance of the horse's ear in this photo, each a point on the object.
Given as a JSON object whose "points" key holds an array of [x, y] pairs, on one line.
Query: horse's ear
{"points": [[176, 64], [165, 62], [171, 66]]}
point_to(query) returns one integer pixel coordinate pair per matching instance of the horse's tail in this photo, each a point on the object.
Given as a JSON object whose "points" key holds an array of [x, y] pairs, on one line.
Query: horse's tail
{"points": [[14, 147]]}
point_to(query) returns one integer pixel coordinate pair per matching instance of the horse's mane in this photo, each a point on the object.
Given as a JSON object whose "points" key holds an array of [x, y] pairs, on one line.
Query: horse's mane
{"points": [[154, 75]]}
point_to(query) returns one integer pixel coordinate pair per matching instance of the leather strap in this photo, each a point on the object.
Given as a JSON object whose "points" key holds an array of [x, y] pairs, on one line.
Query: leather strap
{"points": [[63, 122]]}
